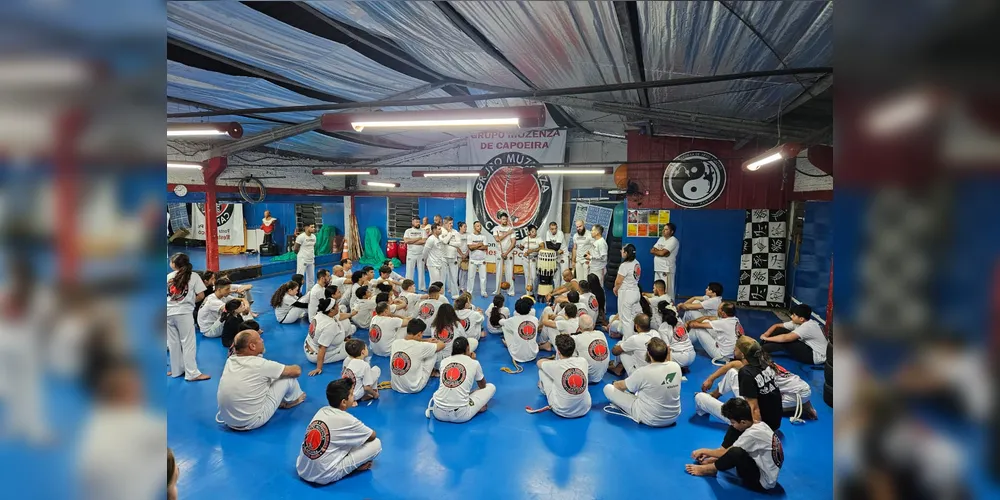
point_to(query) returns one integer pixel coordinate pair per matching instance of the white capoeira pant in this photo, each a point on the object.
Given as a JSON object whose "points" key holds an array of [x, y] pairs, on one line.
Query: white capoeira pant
{"points": [[183, 346], [692, 315], [580, 268], [557, 280], [599, 271], [628, 309], [626, 401], [477, 400], [294, 314], [530, 269], [668, 281], [708, 343], [629, 361], [477, 267], [354, 459], [452, 282], [505, 271], [283, 390], [683, 358], [334, 354], [415, 264], [705, 403], [308, 270], [437, 274], [214, 331]]}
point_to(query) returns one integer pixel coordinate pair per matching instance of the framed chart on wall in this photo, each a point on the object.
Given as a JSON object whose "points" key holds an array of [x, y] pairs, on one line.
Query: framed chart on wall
{"points": [[647, 223], [763, 275]]}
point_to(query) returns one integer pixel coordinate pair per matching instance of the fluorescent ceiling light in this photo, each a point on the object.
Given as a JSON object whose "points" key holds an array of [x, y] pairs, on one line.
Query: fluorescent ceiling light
{"points": [[605, 134], [232, 129], [347, 172], [764, 161], [469, 122], [455, 174], [184, 164], [380, 184], [204, 131], [572, 171]]}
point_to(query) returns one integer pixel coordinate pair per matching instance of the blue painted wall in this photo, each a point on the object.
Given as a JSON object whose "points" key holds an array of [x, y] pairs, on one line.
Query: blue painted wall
{"points": [[455, 207], [372, 211], [811, 276], [333, 215], [284, 212], [711, 241]]}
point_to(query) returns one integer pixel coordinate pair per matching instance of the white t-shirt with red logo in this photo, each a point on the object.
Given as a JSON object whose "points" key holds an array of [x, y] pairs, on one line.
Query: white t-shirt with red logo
{"points": [[567, 395], [504, 313], [411, 364], [328, 332], [591, 306], [360, 372], [521, 333], [593, 347], [427, 310], [630, 273], [331, 435], [458, 376], [677, 338], [382, 332], [472, 322], [724, 330]]}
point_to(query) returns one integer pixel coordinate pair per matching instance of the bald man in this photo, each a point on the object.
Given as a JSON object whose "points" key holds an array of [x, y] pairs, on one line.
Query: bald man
{"points": [[582, 244], [253, 388]]}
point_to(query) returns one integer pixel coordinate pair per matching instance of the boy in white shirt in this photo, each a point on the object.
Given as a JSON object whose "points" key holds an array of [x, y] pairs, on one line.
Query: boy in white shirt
{"points": [[413, 358], [410, 297], [214, 305], [652, 394], [336, 443], [658, 295], [757, 454], [362, 375], [305, 249], [589, 300], [665, 258], [520, 332], [708, 305], [802, 337], [470, 317], [593, 347], [717, 336], [386, 275], [563, 380], [456, 400], [253, 388], [631, 352], [552, 324], [364, 305], [385, 329], [477, 258]]}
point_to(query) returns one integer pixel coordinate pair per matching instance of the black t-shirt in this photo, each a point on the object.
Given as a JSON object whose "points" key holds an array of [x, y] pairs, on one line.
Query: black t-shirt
{"points": [[759, 384], [231, 327]]}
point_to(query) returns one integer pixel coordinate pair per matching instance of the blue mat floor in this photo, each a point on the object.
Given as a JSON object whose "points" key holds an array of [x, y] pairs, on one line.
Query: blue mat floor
{"points": [[504, 453]]}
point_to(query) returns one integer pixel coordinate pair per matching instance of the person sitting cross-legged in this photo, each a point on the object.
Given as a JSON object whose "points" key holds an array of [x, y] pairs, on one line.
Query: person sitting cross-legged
{"points": [[456, 400], [336, 443], [563, 380], [651, 395], [253, 388]]}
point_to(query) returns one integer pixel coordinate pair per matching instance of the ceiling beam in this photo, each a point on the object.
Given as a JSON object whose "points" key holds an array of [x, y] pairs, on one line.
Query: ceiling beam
{"points": [[628, 25], [524, 94]]}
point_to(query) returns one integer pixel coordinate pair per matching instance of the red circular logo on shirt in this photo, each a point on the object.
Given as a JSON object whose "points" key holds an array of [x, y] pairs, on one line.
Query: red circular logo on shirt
{"points": [[581, 313], [175, 294], [593, 303], [375, 333], [680, 333], [426, 311], [739, 329], [453, 375], [317, 440], [465, 324], [446, 334], [636, 271], [349, 374], [777, 452], [400, 363], [526, 330], [574, 382], [598, 350]]}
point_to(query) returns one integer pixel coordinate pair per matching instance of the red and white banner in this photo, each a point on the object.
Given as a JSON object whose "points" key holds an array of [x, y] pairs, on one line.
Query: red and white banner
{"points": [[525, 197], [229, 219]]}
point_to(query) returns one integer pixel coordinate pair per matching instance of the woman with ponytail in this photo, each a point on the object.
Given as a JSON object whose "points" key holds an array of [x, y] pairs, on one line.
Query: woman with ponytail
{"points": [[597, 289], [627, 290], [495, 313], [288, 306], [184, 288], [325, 343], [673, 332]]}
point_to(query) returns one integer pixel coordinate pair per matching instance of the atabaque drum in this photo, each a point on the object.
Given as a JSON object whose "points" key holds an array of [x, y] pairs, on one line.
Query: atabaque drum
{"points": [[548, 265], [392, 249], [401, 252]]}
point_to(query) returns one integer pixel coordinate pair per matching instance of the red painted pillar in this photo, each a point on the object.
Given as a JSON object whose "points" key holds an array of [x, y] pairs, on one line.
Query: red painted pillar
{"points": [[67, 175], [211, 172]]}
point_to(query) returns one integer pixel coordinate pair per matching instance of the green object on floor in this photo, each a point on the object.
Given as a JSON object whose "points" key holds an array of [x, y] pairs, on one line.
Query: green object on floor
{"points": [[372, 253], [324, 240], [284, 257]]}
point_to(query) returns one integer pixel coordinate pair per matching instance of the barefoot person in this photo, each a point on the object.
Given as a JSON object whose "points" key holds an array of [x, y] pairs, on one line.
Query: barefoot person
{"points": [[504, 236], [336, 443], [305, 250], [412, 359], [456, 400], [325, 343], [756, 455], [363, 375], [593, 347], [414, 239], [652, 394], [563, 380], [184, 287], [253, 388]]}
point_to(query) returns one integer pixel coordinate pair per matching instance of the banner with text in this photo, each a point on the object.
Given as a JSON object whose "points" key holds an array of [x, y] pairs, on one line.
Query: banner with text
{"points": [[230, 221], [525, 197]]}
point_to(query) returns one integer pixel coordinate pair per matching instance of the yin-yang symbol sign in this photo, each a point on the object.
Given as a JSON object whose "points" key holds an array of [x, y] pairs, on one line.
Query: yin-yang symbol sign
{"points": [[694, 179]]}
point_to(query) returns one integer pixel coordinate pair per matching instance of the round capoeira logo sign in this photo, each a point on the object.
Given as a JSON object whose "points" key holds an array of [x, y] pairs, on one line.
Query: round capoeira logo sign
{"points": [[506, 187], [224, 212], [317, 440], [453, 375], [636, 271], [694, 179], [573, 381], [426, 311], [777, 452], [400, 363], [375, 333], [349, 374], [446, 334], [598, 350], [593, 303], [680, 333], [527, 330]]}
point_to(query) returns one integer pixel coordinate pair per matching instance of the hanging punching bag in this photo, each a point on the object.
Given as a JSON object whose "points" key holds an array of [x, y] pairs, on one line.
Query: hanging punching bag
{"points": [[618, 220]]}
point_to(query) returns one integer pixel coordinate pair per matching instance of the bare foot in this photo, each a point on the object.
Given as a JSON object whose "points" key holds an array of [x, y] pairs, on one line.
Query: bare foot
{"points": [[482, 409], [365, 466], [707, 460], [435, 373], [700, 470], [199, 378], [295, 403], [808, 412], [170, 374]]}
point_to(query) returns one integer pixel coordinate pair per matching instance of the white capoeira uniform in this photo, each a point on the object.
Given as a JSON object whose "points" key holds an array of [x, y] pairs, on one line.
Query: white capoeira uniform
{"points": [[504, 267], [455, 400], [719, 340], [498, 329], [463, 274], [565, 325], [793, 391], [180, 327], [361, 374], [634, 355], [562, 255], [654, 394], [593, 347], [250, 391], [328, 333], [452, 242], [477, 264], [681, 348], [287, 313], [564, 384], [581, 246], [415, 258], [665, 268], [437, 260], [709, 307], [447, 336], [530, 267], [305, 260], [335, 444], [472, 322], [628, 296], [599, 259]]}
